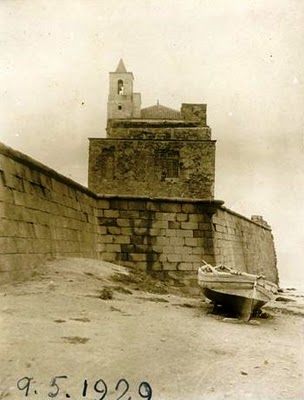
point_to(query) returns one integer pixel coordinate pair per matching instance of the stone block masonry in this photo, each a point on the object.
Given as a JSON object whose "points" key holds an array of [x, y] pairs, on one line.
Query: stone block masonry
{"points": [[168, 238], [154, 168], [44, 214], [244, 244]]}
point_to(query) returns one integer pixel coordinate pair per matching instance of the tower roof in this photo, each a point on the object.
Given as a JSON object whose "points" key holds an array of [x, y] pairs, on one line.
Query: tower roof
{"points": [[121, 67]]}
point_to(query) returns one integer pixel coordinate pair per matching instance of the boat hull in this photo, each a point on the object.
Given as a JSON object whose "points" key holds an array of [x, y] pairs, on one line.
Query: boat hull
{"points": [[239, 306], [239, 293]]}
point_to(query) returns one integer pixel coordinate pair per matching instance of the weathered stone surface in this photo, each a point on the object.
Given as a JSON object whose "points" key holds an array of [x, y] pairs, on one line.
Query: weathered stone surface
{"points": [[162, 235], [157, 168], [244, 244]]}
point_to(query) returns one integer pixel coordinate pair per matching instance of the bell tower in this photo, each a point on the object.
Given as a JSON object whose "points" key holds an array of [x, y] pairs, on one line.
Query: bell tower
{"points": [[122, 101]]}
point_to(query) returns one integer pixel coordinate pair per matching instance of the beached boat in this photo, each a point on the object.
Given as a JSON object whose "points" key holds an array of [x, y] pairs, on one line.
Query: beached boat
{"points": [[238, 292]]}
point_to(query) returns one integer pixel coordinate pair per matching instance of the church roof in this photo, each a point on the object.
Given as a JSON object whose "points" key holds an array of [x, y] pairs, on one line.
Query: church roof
{"points": [[121, 67], [160, 112]]}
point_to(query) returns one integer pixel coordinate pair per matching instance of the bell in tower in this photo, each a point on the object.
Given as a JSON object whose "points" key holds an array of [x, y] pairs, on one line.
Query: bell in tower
{"points": [[122, 101]]}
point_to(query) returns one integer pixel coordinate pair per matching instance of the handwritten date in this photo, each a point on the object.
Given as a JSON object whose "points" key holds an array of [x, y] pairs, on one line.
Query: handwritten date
{"points": [[99, 389]]}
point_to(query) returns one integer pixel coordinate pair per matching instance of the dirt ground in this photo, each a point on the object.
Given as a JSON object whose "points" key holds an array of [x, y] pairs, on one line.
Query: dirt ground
{"points": [[90, 322]]}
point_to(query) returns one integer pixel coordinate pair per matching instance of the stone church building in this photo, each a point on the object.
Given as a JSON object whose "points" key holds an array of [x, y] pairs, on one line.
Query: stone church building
{"points": [[154, 151], [165, 159]]}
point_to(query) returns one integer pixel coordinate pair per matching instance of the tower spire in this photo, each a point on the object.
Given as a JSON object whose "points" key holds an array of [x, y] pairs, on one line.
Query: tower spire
{"points": [[121, 67]]}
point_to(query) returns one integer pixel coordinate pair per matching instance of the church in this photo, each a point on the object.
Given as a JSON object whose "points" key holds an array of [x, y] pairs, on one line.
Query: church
{"points": [[155, 151], [156, 168]]}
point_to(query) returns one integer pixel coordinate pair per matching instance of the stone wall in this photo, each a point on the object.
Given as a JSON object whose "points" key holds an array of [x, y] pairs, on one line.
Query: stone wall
{"points": [[244, 244], [166, 237], [195, 112], [157, 130], [153, 168], [42, 214], [169, 238], [155, 157]]}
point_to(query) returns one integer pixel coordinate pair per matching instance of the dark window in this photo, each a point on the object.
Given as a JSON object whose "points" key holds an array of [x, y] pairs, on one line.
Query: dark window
{"points": [[172, 166], [168, 160], [119, 107], [120, 86]]}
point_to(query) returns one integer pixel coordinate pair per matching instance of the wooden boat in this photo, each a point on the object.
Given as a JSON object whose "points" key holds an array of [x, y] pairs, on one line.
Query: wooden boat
{"points": [[238, 292]]}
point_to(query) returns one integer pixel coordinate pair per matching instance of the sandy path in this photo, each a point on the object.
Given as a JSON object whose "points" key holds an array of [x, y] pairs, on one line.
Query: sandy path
{"points": [[55, 324]]}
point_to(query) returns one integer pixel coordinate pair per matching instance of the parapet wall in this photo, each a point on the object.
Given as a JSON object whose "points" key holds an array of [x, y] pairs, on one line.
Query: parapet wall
{"points": [[244, 244], [195, 112], [45, 214], [42, 214], [157, 129]]}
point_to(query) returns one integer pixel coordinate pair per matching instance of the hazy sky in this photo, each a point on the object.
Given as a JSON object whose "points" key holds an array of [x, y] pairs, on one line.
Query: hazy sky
{"points": [[244, 58]]}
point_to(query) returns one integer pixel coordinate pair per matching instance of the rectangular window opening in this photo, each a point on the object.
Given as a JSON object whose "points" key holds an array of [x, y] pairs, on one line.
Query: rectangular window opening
{"points": [[169, 161]]}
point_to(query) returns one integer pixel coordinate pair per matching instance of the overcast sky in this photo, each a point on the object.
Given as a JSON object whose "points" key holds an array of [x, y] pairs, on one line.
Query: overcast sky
{"points": [[244, 58]]}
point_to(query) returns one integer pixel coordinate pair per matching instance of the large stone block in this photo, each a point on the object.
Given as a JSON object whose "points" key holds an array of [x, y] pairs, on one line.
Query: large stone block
{"points": [[147, 214], [24, 245], [191, 257], [8, 227], [26, 229], [182, 217], [137, 257], [192, 242], [205, 226], [166, 216], [170, 207], [169, 266], [163, 240], [159, 232], [183, 266], [173, 257], [8, 245], [42, 231], [137, 205], [188, 208], [129, 214], [118, 204], [161, 224], [6, 195], [113, 248], [42, 246], [123, 222], [189, 225], [127, 231], [111, 213], [173, 225], [122, 239], [137, 239], [14, 182], [184, 233], [177, 241], [182, 250]]}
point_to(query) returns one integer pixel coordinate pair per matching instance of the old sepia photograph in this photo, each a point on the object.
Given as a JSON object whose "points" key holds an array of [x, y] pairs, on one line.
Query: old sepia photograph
{"points": [[151, 199]]}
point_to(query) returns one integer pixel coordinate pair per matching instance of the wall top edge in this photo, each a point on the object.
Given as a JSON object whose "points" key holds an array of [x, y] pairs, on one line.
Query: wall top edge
{"points": [[151, 140], [268, 228], [210, 202], [38, 166]]}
